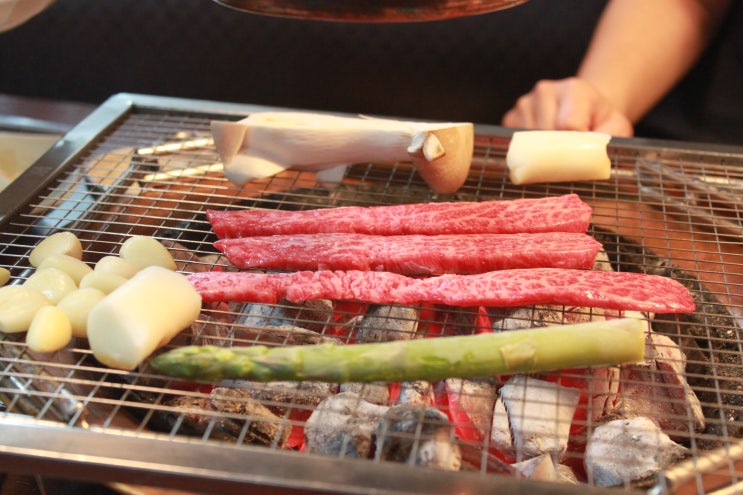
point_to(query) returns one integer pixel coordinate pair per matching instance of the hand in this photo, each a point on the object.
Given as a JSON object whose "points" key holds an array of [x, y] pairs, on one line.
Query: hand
{"points": [[567, 104]]}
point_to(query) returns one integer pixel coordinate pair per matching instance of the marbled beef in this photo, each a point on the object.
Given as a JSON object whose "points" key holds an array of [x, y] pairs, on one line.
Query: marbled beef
{"points": [[566, 213], [412, 254], [504, 288]]}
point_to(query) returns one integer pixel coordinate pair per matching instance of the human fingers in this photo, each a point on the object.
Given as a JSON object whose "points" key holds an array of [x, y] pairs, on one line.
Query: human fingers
{"points": [[534, 110], [520, 115], [583, 108], [578, 105]]}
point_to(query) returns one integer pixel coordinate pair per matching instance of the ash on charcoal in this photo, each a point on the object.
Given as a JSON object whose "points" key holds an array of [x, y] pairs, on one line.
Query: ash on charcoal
{"points": [[315, 314], [374, 392], [383, 323], [262, 315], [279, 396], [342, 426], [539, 415], [281, 334], [709, 337], [545, 468], [418, 435], [658, 388], [416, 392], [624, 450], [474, 401]]}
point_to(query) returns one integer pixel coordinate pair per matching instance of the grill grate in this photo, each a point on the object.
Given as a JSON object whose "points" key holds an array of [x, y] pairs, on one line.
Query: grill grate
{"points": [[145, 165]]}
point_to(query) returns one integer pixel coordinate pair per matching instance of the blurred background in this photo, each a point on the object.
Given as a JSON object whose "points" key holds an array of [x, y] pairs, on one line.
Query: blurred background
{"points": [[463, 69]]}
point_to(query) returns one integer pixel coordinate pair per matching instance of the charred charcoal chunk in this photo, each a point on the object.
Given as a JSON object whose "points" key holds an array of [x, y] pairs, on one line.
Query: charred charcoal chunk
{"points": [[228, 416], [383, 323], [416, 392], [279, 396], [624, 450], [342, 426], [533, 417], [262, 425], [374, 392], [419, 435]]}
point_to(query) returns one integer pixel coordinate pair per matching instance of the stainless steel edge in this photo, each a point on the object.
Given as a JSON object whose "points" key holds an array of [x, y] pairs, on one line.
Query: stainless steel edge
{"points": [[31, 446], [46, 168], [63, 152]]}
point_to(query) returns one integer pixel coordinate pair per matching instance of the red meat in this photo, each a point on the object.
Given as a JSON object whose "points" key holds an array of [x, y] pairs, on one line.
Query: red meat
{"points": [[504, 288], [566, 213], [412, 254]]}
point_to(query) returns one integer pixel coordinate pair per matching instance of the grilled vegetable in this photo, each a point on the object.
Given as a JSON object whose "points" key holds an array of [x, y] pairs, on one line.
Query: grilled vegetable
{"points": [[116, 265], [144, 313], [539, 349], [18, 305], [77, 306], [266, 143], [4, 276], [50, 330], [558, 156], [143, 251], [52, 282], [105, 282], [72, 266], [59, 243]]}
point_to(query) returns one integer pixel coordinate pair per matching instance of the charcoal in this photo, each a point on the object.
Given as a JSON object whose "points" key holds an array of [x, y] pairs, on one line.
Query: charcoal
{"points": [[383, 323], [227, 418], [624, 450], [342, 426], [539, 416], [281, 334], [263, 426], [544, 468], [315, 315], [416, 392], [658, 388], [418, 435], [374, 392], [279, 396]]}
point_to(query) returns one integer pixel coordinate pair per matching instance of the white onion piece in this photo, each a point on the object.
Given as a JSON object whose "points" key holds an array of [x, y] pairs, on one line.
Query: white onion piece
{"points": [[141, 315], [558, 156]]}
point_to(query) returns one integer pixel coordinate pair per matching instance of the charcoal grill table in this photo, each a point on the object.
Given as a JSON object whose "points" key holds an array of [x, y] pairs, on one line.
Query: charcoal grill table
{"points": [[64, 415]]}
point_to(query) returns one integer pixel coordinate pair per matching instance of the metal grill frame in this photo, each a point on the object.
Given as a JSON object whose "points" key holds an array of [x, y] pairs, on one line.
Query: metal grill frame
{"points": [[108, 453]]}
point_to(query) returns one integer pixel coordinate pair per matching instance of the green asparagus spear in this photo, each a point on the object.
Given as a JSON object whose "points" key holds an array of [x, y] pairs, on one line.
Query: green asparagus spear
{"points": [[519, 351]]}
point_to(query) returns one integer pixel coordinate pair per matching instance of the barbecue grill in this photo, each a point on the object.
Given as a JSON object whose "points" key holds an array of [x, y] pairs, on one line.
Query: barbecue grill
{"points": [[146, 165]]}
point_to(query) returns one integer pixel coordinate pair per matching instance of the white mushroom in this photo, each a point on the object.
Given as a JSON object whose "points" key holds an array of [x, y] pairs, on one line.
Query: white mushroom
{"points": [[266, 143]]}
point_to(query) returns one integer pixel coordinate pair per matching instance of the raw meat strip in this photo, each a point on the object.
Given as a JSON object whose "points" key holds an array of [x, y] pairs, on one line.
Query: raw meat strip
{"points": [[566, 213], [504, 288], [412, 254]]}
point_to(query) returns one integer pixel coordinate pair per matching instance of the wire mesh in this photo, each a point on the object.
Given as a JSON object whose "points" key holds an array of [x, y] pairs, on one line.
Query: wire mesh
{"points": [[666, 210]]}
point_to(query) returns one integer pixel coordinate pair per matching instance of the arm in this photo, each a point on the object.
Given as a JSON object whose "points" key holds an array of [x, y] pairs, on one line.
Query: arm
{"points": [[639, 51]]}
